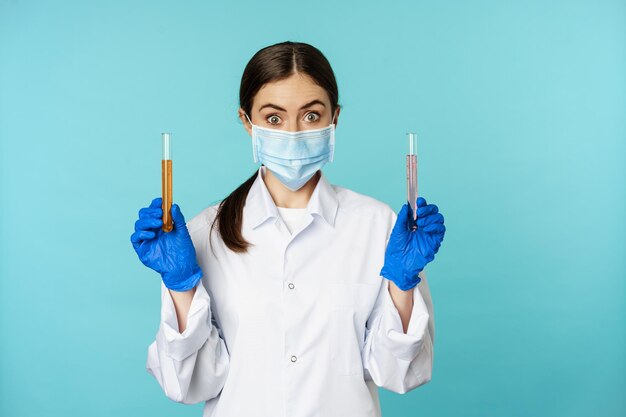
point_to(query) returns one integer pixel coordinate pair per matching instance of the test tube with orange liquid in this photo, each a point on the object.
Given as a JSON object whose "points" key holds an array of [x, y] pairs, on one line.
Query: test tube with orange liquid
{"points": [[166, 182]]}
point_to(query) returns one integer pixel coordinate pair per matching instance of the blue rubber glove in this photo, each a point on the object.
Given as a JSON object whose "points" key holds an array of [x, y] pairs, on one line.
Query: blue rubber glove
{"points": [[171, 254], [409, 251]]}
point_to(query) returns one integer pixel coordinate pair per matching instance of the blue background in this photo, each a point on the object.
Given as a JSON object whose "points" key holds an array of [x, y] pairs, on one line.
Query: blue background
{"points": [[519, 108]]}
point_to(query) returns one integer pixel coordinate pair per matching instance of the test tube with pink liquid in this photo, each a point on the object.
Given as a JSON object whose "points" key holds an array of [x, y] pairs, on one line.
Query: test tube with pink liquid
{"points": [[411, 177]]}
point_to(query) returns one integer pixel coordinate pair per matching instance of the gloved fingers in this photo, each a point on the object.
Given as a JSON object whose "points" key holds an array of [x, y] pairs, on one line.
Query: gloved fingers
{"points": [[426, 210], [430, 219], [431, 244], [434, 228], [141, 235], [157, 202], [148, 223], [438, 238], [148, 212], [177, 216], [421, 201], [433, 241]]}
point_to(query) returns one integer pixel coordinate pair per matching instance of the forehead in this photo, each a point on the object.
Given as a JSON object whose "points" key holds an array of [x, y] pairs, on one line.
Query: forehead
{"points": [[290, 93]]}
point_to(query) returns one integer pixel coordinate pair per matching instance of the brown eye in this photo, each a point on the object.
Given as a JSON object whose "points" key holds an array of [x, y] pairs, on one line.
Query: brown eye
{"points": [[273, 119], [315, 117]]}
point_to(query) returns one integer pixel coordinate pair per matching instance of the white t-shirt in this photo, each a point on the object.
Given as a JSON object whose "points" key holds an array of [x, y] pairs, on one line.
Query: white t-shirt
{"points": [[293, 217]]}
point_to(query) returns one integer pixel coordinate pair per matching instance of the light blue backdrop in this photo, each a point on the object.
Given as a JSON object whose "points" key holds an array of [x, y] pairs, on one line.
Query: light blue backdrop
{"points": [[519, 107]]}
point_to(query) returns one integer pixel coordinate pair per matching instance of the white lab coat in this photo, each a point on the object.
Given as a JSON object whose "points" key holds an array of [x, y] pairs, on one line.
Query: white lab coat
{"points": [[302, 324]]}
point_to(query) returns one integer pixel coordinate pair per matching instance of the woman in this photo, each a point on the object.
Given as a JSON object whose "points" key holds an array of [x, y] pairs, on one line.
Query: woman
{"points": [[285, 310]]}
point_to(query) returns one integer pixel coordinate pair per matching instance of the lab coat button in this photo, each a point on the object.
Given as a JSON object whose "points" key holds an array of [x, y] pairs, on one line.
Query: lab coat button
{"points": [[293, 358], [291, 286]]}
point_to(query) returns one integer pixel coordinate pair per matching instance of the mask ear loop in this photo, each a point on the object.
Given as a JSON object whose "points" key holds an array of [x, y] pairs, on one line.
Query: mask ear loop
{"points": [[332, 140], [254, 138]]}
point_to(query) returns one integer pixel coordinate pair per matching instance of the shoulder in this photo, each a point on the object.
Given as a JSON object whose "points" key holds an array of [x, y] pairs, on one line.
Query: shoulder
{"points": [[204, 219], [358, 204]]}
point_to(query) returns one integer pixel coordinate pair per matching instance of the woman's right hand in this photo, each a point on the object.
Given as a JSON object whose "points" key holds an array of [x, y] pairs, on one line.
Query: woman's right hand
{"points": [[171, 254]]}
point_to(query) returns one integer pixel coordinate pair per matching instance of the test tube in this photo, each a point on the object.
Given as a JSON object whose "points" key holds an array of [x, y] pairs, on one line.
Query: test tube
{"points": [[411, 176], [166, 181]]}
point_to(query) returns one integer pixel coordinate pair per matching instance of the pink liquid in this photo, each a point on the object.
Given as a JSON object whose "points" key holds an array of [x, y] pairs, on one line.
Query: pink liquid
{"points": [[411, 185]]}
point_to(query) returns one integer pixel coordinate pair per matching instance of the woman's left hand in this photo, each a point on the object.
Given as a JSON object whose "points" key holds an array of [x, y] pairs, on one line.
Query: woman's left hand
{"points": [[409, 251]]}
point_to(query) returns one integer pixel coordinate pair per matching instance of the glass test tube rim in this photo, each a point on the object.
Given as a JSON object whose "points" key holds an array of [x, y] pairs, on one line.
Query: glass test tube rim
{"points": [[166, 138], [412, 139]]}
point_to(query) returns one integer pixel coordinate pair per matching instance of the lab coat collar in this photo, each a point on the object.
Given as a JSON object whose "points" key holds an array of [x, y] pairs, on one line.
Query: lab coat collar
{"points": [[260, 206]]}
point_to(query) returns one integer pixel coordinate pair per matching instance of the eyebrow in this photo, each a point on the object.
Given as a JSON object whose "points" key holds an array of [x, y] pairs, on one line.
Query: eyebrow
{"points": [[309, 104]]}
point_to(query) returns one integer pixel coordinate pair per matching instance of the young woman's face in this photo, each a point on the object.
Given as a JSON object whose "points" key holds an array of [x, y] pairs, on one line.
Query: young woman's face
{"points": [[293, 104]]}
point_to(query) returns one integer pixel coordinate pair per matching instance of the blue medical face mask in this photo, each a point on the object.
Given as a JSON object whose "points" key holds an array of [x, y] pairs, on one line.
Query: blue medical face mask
{"points": [[293, 157]]}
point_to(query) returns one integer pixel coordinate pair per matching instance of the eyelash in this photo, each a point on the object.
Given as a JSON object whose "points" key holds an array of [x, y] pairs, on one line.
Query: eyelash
{"points": [[311, 112]]}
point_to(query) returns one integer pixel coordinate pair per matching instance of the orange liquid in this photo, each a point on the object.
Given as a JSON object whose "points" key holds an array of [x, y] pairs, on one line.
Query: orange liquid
{"points": [[166, 190]]}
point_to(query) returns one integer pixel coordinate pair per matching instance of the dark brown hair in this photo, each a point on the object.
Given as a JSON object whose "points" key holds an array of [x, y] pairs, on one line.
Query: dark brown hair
{"points": [[272, 63]]}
